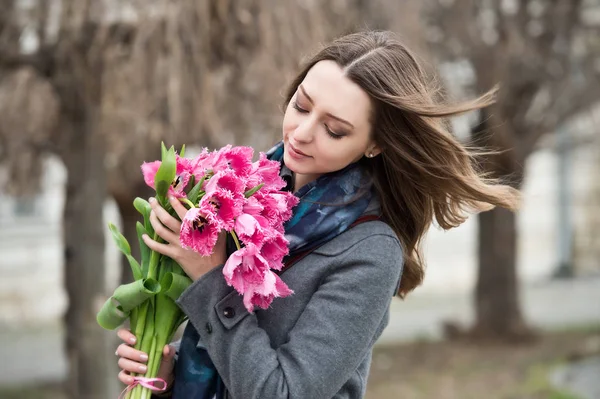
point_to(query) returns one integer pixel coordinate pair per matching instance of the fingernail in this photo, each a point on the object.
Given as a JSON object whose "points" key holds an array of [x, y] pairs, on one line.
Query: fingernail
{"points": [[142, 369], [132, 340], [151, 199], [171, 198], [144, 357]]}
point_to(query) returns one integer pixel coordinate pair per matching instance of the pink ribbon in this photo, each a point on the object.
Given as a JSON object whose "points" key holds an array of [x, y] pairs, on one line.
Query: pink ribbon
{"points": [[146, 383]]}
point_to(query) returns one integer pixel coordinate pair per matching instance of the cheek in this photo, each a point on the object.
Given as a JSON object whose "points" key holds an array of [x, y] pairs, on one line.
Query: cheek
{"points": [[288, 123], [343, 152], [286, 129], [333, 155]]}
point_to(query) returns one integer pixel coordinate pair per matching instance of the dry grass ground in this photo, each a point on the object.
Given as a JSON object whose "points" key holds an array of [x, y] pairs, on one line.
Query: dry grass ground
{"points": [[449, 370]]}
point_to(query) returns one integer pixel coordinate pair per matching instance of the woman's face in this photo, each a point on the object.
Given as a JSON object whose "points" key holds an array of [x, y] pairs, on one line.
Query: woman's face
{"points": [[326, 125]]}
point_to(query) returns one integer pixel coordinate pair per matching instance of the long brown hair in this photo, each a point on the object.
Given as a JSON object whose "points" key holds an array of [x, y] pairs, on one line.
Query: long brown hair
{"points": [[423, 171]]}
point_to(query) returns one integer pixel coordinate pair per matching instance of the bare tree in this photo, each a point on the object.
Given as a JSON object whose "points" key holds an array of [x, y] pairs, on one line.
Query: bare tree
{"points": [[544, 54], [71, 68], [197, 72], [205, 73]]}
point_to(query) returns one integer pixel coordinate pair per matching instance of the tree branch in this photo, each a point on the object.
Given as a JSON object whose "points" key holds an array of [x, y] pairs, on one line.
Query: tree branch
{"points": [[42, 21], [565, 106], [460, 39], [42, 61]]}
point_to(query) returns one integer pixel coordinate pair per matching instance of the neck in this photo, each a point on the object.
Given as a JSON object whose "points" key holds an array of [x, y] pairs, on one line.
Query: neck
{"points": [[303, 180]]}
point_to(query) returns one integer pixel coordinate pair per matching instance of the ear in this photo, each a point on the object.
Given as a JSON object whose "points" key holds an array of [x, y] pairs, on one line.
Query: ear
{"points": [[372, 151]]}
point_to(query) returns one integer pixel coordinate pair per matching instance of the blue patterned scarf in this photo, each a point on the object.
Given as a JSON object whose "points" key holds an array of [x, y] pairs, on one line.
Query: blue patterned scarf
{"points": [[328, 206]]}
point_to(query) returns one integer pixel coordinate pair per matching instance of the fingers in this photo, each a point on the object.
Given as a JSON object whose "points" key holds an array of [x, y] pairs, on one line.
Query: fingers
{"points": [[165, 370], [126, 336], [168, 352], [130, 353], [125, 378], [178, 207], [164, 233], [131, 360], [164, 249], [166, 219], [131, 366]]}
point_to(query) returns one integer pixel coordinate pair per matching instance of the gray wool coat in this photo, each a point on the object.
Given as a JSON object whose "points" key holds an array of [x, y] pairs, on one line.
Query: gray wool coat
{"points": [[316, 343]]}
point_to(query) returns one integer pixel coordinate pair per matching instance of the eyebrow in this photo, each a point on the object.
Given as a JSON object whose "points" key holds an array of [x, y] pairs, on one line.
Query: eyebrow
{"points": [[328, 114]]}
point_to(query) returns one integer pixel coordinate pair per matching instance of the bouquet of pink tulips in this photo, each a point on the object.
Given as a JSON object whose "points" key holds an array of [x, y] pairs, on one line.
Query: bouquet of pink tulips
{"points": [[223, 190]]}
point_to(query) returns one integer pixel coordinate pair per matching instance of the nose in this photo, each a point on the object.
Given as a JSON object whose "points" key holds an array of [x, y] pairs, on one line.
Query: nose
{"points": [[304, 131]]}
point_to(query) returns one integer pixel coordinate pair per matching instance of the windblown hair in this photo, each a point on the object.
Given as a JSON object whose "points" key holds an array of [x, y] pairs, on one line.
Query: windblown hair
{"points": [[423, 171]]}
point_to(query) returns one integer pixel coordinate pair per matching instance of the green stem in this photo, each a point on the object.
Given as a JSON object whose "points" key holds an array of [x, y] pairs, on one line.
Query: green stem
{"points": [[187, 201], [140, 324], [235, 238], [251, 192], [158, 354], [152, 369], [146, 341], [159, 331], [154, 259]]}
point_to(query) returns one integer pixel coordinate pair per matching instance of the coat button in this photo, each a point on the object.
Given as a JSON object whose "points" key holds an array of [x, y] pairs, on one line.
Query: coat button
{"points": [[208, 327], [229, 312]]}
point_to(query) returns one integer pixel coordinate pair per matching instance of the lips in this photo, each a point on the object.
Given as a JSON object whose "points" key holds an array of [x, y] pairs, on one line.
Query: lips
{"points": [[297, 151]]}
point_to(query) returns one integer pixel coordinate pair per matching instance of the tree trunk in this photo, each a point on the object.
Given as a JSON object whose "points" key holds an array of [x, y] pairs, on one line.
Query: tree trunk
{"points": [[77, 78], [498, 311], [497, 305], [84, 262]]}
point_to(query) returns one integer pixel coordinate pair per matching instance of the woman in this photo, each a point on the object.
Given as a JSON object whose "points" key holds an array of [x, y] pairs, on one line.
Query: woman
{"points": [[362, 135]]}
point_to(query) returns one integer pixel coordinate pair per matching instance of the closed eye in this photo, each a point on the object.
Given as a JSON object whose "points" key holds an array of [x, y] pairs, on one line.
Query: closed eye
{"points": [[297, 108], [332, 134]]}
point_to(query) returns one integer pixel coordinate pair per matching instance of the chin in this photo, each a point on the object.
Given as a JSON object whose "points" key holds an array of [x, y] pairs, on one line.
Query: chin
{"points": [[295, 166], [289, 162]]}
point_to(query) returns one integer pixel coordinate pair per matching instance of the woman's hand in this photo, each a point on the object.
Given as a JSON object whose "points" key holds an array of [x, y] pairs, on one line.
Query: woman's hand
{"points": [[133, 361], [168, 228]]}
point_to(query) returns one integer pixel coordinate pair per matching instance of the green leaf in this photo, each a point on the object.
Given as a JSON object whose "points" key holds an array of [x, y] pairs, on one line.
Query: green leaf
{"points": [[190, 184], [148, 328], [251, 192], [124, 246], [111, 315], [173, 285], [162, 188], [165, 175], [194, 192], [125, 299], [182, 152], [163, 150], [144, 208], [144, 250], [133, 318], [167, 265], [166, 318], [119, 239], [136, 269], [169, 208], [129, 296]]}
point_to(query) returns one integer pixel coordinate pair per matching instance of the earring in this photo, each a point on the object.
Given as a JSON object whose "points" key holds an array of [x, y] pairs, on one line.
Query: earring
{"points": [[370, 155]]}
